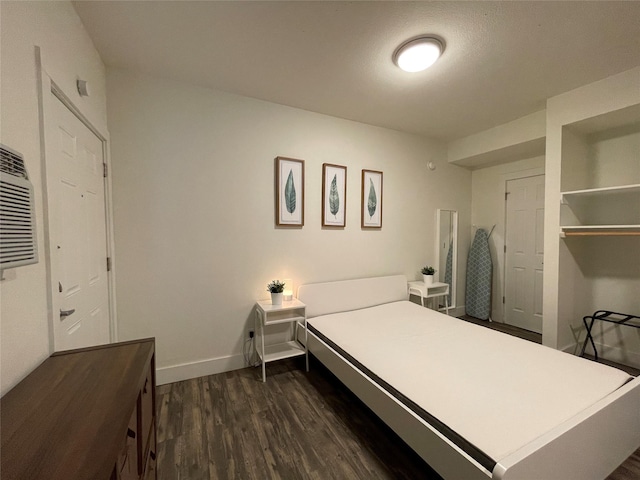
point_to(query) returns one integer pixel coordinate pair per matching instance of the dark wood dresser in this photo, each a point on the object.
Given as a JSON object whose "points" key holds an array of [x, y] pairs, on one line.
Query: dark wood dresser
{"points": [[86, 414]]}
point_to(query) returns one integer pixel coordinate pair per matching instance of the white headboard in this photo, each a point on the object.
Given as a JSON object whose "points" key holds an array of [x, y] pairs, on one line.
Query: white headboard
{"points": [[345, 295]]}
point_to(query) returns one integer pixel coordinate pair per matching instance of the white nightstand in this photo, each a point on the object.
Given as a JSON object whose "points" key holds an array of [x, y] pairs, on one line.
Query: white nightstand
{"points": [[267, 314], [434, 290]]}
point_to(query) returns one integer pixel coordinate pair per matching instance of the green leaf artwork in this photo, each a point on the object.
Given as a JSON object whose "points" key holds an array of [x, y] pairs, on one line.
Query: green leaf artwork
{"points": [[373, 200], [334, 198], [290, 193]]}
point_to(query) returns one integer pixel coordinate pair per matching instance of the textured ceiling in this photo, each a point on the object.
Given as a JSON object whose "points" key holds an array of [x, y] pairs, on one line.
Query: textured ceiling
{"points": [[502, 59]]}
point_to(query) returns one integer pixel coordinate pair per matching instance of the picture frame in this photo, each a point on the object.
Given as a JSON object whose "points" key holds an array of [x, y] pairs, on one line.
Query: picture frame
{"points": [[334, 195], [289, 174], [371, 211]]}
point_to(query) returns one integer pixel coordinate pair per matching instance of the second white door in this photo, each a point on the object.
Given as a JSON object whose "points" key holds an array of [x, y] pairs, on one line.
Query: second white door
{"points": [[524, 252]]}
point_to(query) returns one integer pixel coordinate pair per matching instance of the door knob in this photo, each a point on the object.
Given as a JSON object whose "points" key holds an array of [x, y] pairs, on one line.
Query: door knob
{"points": [[66, 313]]}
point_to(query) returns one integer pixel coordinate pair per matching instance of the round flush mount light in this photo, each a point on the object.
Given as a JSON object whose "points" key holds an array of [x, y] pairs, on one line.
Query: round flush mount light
{"points": [[418, 53]]}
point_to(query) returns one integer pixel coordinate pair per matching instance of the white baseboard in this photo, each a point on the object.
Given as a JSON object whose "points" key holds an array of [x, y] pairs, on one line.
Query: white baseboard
{"points": [[202, 368], [613, 354]]}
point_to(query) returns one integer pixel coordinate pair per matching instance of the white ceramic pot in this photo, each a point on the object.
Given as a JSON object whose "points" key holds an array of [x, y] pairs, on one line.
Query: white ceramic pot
{"points": [[428, 279], [276, 298]]}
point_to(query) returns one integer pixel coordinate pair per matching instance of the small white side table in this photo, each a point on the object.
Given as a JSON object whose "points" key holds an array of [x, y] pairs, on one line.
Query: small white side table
{"points": [[434, 290], [293, 311]]}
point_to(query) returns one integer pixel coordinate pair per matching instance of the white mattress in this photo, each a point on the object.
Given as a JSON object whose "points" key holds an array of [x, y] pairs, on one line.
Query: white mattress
{"points": [[497, 391]]}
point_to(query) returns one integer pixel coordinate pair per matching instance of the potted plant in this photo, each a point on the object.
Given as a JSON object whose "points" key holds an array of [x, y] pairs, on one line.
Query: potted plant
{"points": [[427, 274], [276, 287]]}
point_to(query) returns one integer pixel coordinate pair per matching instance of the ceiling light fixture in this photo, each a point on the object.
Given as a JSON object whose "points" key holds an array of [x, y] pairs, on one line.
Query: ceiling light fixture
{"points": [[418, 53]]}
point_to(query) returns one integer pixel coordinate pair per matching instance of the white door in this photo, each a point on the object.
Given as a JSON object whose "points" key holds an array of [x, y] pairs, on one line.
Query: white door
{"points": [[78, 231], [524, 252]]}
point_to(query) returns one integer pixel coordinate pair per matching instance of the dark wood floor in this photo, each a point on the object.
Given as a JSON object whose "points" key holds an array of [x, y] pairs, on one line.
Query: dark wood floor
{"points": [[297, 425], [505, 328]]}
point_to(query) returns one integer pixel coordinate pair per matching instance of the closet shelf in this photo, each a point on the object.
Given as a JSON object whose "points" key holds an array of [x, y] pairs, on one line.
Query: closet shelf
{"points": [[600, 230], [601, 209]]}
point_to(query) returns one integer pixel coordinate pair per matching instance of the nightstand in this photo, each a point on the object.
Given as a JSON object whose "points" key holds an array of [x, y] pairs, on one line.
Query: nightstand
{"points": [[433, 290], [293, 311]]}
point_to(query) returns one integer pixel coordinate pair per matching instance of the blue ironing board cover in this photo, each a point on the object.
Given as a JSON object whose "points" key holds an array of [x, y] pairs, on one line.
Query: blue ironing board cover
{"points": [[479, 272], [448, 272]]}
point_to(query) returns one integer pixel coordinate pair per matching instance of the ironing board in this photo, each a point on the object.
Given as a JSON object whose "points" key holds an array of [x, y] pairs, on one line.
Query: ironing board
{"points": [[448, 272], [479, 275]]}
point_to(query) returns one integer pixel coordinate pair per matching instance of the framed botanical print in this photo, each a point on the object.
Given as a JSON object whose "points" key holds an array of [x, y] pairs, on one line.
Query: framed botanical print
{"points": [[289, 192], [371, 199], [334, 195]]}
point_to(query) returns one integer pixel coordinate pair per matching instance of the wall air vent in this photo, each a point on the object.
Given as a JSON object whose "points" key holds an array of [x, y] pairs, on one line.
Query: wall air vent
{"points": [[18, 243]]}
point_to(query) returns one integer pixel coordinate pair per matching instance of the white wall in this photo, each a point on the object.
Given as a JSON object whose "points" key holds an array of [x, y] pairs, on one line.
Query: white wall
{"points": [[488, 209], [617, 158], [67, 54], [193, 184]]}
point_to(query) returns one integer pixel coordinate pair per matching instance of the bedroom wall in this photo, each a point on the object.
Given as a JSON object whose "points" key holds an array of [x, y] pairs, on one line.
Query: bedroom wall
{"points": [[488, 209], [67, 53], [193, 186]]}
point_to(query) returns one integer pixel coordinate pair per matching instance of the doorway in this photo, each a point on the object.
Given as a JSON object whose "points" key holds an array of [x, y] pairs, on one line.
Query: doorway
{"points": [[524, 252], [77, 225]]}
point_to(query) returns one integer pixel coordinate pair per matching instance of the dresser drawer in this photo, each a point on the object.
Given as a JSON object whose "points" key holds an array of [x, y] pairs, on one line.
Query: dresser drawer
{"points": [[146, 409], [127, 462], [150, 468]]}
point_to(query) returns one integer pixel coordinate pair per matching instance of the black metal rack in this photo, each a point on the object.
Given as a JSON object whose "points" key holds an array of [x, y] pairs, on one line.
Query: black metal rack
{"points": [[610, 317]]}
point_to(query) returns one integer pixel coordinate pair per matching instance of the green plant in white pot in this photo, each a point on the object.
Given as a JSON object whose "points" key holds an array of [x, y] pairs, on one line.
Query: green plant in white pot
{"points": [[276, 287], [427, 274]]}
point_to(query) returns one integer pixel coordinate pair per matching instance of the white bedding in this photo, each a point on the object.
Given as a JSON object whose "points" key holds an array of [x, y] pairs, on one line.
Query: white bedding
{"points": [[496, 391]]}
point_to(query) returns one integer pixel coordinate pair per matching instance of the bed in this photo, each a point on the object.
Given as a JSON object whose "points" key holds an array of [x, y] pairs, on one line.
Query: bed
{"points": [[472, 402]]}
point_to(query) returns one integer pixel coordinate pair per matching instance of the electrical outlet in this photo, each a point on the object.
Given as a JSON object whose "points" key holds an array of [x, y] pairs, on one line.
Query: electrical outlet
{"points": [[250, 333]]}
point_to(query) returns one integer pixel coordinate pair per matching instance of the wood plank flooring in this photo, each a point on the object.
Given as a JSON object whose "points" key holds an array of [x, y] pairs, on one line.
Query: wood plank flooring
{"points": [[505, 328], [297, 425]]}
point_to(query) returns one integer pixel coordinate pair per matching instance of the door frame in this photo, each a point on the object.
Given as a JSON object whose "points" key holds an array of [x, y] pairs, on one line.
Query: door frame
{"points": [[532, 172], [47, 87]]}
